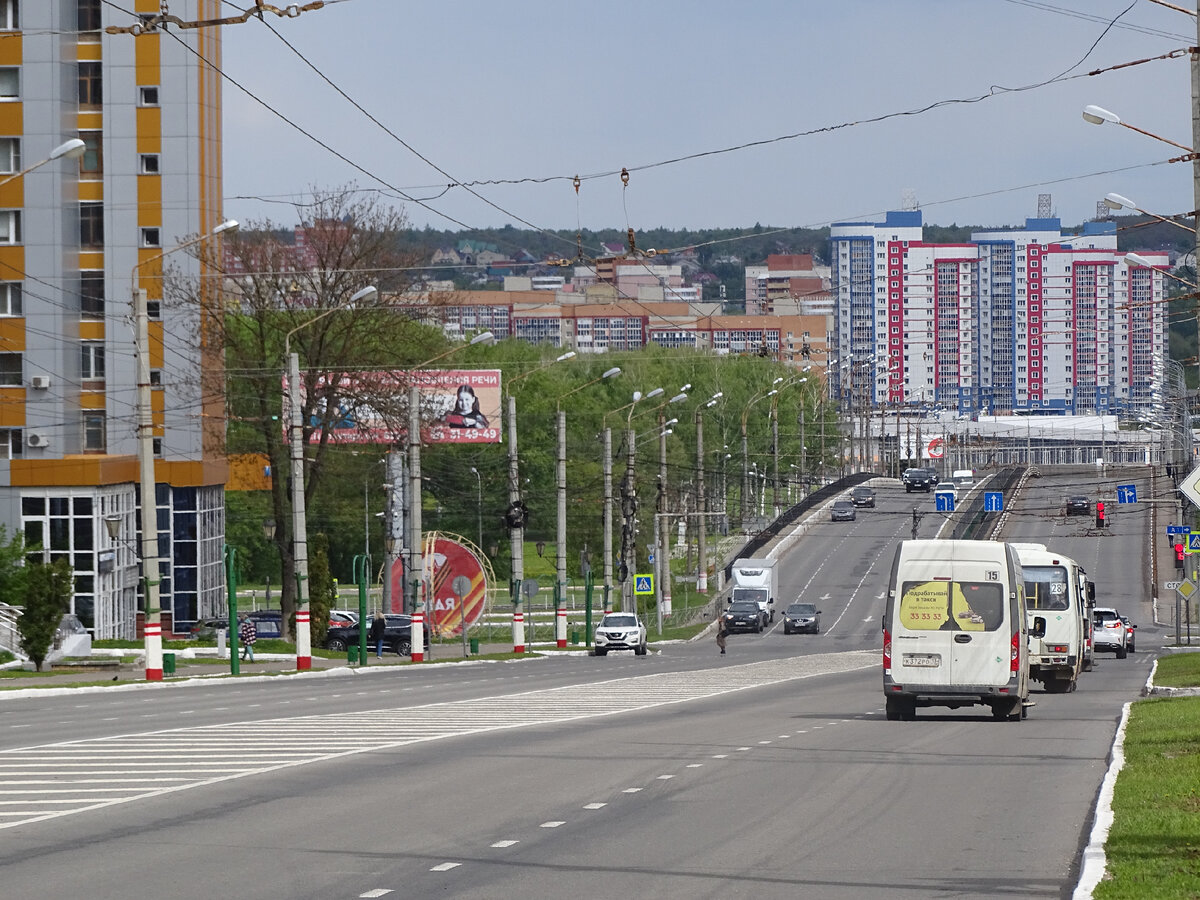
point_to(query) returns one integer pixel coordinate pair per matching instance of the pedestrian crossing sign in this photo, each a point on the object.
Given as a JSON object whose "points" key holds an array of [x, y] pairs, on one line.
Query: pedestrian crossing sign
{"points": [[643, 584]]}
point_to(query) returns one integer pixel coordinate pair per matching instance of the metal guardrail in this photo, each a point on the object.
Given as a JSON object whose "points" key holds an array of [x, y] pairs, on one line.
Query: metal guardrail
{"points": [[10, 637]]}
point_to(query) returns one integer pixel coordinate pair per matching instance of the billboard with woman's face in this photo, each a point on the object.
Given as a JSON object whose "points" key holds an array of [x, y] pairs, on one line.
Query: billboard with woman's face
{"points": [[458, 406]]}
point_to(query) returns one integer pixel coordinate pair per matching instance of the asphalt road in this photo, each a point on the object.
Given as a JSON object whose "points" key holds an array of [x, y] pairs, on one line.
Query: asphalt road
{"points": [[770, 772]]}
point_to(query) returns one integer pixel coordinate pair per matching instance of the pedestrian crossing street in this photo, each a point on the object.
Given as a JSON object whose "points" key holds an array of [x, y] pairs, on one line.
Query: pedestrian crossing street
{"points": [[54, 780]]}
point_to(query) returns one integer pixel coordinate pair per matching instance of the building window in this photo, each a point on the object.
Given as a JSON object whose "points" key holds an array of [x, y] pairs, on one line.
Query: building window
{"points": [[92, 161], [91, 91], [150, 237], [91, 295], [88, 16], [10, 83], [91, 225], [10, 298], [10, 369], [148, 95], [11, 443], [94, 440], [149, 163], [10, 155], [91, 361], [10, 226]]}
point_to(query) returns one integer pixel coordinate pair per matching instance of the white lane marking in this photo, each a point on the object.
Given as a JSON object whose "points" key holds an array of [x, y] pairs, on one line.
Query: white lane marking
{"points": [[743, 748], [445, 867], [721, 756], [21, 726], [630, 790], [594, 805], [503, 844], [378, 892], [695, 765], [664, 777], [551, 824], [784, 737], [766, 742]]}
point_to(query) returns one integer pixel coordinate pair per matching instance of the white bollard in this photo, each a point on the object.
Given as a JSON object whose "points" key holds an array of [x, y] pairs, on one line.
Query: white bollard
{"points": [[417, 636], [518, 632], [560, 627]]}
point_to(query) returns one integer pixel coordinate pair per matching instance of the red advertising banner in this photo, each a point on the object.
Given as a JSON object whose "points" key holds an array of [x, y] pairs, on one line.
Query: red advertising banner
{"points": [[449, 560], [458, 406]]}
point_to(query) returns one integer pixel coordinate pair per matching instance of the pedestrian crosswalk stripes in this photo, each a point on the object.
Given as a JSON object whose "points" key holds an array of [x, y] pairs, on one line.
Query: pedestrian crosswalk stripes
{"points": [[53, 780]]}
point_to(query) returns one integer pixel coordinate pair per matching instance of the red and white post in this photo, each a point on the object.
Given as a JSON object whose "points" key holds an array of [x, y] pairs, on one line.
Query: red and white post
{"points": [[303, 640], [560, 627], [518, 632], [154, 656], [417, 636]]}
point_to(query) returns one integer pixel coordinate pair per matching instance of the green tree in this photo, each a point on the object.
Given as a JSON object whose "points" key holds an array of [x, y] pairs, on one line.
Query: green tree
{"points": [[13, 571], [322, 595], [47, 599]]}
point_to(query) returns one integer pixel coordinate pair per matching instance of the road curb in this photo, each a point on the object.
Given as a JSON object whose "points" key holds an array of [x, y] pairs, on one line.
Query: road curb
{"points": [[1091, 869]]}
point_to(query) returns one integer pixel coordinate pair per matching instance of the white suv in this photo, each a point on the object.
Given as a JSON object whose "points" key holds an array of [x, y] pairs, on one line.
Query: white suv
{"points": [[1108, 632], [621, 631]]}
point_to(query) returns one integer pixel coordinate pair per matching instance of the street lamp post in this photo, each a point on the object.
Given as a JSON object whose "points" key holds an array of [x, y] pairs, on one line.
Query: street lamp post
{"points": [[152, 629], [560, 570], [478, 506], [299, 518], [72, 149]]}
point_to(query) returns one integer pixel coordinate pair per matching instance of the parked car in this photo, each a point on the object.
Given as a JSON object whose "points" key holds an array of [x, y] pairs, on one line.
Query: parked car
{"points": [[1129, 627], [342, 617], [1109, 632], [802, 617], [863, 496], [1079, 505], [397, 636], [842, 511], [620, 631], [919, 479], [206, 629], [268, 623], [744, 615]]}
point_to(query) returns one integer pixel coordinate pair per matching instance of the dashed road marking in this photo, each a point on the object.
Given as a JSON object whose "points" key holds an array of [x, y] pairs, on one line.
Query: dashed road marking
{"points": [[502, 844], [445, 867], [631, 790], [551, 824], [594, 805]]}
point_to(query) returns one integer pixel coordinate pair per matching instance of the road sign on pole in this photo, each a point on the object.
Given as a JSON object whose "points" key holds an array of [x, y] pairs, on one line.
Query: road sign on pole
{"points": [[643, 584], [1178, 529], [1127, 493], [1193, 543], [944, 501], [993, 501]]}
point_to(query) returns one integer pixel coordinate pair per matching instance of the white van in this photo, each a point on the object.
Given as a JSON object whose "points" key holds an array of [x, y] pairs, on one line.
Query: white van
{"points": [[954, 629], [964, 479], [1055, 588]]}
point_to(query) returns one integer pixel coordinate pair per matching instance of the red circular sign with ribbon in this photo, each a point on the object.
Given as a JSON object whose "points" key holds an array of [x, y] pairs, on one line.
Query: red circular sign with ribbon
{"points": [[936, 448], [448, 560]]}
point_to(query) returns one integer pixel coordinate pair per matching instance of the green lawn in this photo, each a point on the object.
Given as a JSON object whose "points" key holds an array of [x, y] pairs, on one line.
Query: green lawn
{"points": [[1153, 849], [1178, 670]]}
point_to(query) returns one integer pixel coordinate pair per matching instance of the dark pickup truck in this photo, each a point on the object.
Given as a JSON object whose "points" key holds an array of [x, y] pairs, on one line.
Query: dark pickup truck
{"points": [[919, 480], [397, 636]]}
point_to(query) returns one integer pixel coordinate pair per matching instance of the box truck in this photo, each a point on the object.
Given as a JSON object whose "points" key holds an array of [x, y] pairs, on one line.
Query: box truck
{"points": [[755, 579]]}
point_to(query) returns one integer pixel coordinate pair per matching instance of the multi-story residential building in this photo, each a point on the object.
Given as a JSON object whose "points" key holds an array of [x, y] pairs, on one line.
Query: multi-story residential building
{"points": [[148, 111], [1032, 320], [787, 285]]}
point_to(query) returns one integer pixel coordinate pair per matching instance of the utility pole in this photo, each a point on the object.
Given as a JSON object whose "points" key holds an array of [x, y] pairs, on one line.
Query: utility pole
{"points": [[701, 509], [662, 530], [516, 530], [299, 526], [629, 505], [775, 457], [393, 530], [560, 573], [608, 519], [415, 570], [803, 484], [1195, 66]]}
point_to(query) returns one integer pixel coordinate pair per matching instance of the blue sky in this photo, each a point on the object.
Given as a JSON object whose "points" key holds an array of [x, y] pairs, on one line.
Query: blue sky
{"points": [[541, 91]]}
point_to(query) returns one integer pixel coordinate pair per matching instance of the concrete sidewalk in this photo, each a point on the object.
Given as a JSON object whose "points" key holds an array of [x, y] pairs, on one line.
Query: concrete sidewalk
{"points": [[210, 667]]}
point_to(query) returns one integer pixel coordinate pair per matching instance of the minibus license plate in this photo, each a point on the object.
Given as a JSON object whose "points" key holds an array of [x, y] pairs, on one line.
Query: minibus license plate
{"points": [[927, 660]]}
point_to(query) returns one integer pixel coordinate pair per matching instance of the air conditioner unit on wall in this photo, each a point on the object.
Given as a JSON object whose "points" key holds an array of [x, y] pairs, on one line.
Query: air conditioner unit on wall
{"points": [[41, 382], [37, 439]]}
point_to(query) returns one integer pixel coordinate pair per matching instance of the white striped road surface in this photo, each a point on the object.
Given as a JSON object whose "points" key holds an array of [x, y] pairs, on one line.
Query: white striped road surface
{"points": [[52, 780]]}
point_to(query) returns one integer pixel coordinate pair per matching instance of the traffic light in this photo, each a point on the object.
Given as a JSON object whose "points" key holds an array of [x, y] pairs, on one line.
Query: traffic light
{"points": [[1099, 513], [516, 515], [1179, 556]]}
